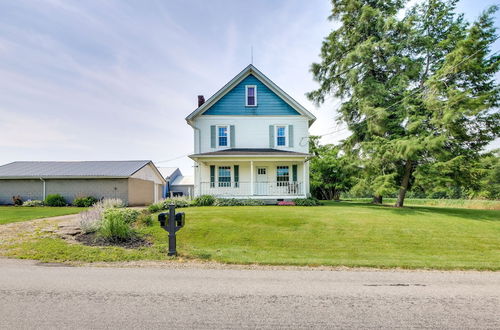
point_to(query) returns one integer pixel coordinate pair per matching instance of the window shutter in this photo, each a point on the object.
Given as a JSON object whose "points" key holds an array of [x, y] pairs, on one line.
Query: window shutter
{"points": [[231, 135], [212, 176], [212, 136], [271, 136], [294, 173], [290, 136], [236, 176]]}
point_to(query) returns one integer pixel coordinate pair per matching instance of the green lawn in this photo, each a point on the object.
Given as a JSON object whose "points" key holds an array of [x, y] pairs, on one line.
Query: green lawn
{"points": [[10, 214], [347, 234], [479, 204]]}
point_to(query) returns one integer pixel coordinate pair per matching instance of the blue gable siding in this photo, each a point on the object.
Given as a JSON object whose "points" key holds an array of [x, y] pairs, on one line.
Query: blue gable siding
{"points": [[268, 103]]}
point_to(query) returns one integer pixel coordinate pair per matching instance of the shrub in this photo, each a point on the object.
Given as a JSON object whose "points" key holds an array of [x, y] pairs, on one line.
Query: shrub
{"points": [[145, 219], [178, 202], [252, 202], [204, 200], [55, 200], [311, 201], [90, 220], [286, 203], [227, 202], [108, 203], [84, 201], [115, 228], [32, 203], [17, 200], [156, 207], [128, 215]]}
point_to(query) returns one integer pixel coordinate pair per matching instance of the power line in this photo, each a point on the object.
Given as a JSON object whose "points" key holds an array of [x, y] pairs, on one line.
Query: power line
{"points": [[172, 159]]}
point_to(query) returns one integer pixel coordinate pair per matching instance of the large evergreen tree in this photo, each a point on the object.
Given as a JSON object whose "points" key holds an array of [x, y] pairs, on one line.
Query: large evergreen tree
{"points": [[414, 91]]}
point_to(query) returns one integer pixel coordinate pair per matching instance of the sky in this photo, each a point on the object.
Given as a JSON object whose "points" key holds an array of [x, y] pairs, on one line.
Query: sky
{"points": [[114, 79]]}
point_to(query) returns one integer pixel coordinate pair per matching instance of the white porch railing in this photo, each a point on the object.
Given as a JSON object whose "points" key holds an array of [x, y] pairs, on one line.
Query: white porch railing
{"points": [[237, 189]]}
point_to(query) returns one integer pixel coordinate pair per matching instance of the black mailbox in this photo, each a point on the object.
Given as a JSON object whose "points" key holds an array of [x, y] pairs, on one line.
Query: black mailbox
{"points": [[172, 222], [180, 219], [162, 217]]}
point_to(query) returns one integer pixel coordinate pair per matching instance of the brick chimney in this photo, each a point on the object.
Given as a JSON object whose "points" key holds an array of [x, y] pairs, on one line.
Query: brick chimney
{"points": [[201, 100]]}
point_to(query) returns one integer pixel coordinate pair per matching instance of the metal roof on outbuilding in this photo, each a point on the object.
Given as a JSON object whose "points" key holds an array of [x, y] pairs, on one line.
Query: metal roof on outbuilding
{"points": [[183, 180], [107, 169], [167, 172]]}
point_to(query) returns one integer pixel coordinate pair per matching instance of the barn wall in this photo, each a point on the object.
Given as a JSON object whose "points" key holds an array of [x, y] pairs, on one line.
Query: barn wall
{"points": [[68, 188], [141, 192], [27, 189]]}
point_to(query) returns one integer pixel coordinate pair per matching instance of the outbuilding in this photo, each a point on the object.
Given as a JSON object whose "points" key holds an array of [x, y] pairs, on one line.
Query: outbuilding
{"points": [[136, 182]]}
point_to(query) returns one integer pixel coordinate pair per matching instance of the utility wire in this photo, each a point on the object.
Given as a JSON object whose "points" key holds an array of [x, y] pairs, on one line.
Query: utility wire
{"points": [[414, 92]]}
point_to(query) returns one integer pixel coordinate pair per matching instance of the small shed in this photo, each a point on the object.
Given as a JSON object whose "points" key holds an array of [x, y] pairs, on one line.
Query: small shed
{"points": [[136, 182], [183, 185], [169, 174]]}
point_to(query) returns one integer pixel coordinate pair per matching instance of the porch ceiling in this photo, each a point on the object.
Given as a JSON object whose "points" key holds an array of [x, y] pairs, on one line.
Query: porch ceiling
{"points": [[250, 153]]}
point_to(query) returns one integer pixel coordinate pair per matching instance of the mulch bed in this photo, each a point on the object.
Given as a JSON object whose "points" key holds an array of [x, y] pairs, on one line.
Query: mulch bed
{"points": [[92, 239]]}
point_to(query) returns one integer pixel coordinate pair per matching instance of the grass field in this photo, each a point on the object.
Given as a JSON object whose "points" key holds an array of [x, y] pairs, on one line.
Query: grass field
{"points": [[347, 234], [477, 204], [10, 214]]}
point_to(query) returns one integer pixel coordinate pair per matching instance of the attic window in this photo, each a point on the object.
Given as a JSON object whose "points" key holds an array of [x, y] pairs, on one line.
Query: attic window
{"points": [[251, 95]]}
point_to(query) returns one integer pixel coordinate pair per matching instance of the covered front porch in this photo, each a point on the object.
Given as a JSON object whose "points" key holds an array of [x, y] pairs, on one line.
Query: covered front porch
{"points": [[252, 177]]}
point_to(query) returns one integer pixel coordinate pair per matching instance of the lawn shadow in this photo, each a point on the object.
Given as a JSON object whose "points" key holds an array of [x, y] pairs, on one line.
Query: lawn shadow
{"points": [[470, 214]]}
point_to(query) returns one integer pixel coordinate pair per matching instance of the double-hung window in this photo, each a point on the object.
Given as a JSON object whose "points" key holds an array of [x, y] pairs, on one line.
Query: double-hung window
{"points": [[222, 136], [250, 95], [224, 176], [282, 175], [281, 136]]}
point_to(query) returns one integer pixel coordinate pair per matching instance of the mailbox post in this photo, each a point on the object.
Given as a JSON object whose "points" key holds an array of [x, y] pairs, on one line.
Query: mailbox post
{"points": [[171, 222]]}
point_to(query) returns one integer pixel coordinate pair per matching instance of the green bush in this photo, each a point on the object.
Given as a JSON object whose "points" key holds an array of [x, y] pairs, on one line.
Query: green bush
{"points": [[84, 201], [145, 219], [252, 202], [115, 228], [129, 215], [311, 201], [227, 202], [204, 200], [156, 207], [55, 200], [17, 200], [178, 202], [32, 203]]}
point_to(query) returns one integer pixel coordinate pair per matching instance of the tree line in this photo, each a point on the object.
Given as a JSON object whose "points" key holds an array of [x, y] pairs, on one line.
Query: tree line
{"points": [[419, 96]]}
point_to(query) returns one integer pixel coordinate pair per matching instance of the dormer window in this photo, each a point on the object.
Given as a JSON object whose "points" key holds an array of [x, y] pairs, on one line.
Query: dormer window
{"points": [[251, 96]]}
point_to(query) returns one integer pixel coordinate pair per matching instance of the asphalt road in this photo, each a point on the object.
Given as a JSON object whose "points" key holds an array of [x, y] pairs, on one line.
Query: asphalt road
{"points": [[34, 296]]}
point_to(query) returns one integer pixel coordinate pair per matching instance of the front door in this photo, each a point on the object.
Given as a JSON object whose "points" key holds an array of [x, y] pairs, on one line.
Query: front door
{"points": [[261, 185]]}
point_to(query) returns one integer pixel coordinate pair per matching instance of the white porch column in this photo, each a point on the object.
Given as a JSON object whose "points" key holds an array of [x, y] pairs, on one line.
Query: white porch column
{"points": [[251, 178], [198, 179], [304, 179]]}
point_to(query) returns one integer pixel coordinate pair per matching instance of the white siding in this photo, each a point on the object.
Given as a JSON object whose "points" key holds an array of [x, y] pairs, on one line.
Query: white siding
{"points": [[149, 174], [252, 131]]}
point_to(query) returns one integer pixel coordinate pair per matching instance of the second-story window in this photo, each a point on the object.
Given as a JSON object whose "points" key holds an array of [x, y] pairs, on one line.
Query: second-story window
{"points": [[251, 96], [222, 136], [281, 136]]}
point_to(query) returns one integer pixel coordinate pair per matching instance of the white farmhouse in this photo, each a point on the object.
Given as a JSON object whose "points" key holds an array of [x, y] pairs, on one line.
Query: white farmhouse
{"points": [[251, 140]]}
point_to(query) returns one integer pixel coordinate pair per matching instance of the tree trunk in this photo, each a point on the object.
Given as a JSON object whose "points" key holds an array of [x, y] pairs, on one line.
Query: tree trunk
{"points": [[377, 199], [404, 184], [336, 195]]}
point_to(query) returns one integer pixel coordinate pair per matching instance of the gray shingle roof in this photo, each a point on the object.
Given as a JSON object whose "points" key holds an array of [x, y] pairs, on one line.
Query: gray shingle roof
{"points": [[71, 169]]}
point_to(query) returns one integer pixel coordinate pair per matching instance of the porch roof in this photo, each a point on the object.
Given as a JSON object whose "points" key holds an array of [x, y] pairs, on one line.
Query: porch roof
{"points": [[251, 152]]}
